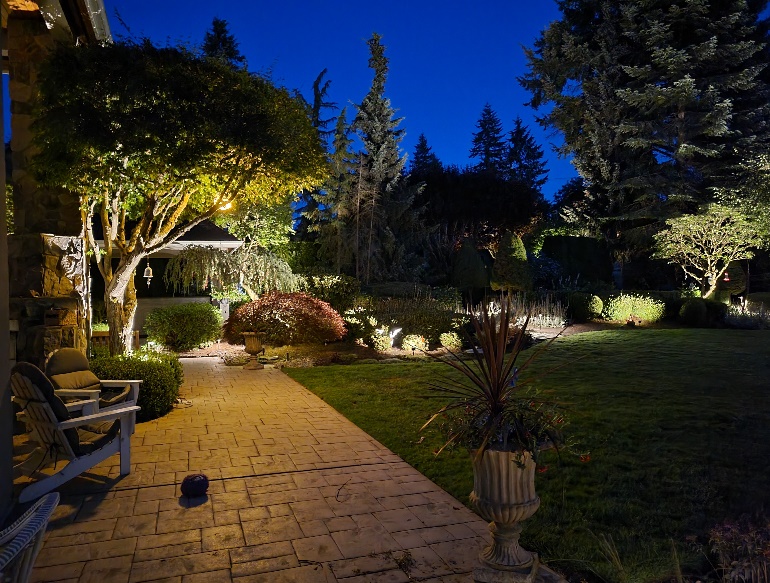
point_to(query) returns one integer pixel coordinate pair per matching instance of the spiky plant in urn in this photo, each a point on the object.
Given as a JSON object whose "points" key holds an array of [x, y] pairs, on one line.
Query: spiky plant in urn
{"points": [[506, 426]]}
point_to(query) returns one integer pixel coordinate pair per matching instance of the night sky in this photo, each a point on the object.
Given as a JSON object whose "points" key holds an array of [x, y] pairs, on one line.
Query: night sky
{"points": [[447, 59]]}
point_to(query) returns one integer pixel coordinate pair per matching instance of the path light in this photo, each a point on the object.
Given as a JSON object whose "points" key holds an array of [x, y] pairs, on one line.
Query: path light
{"points": [[148, 272], [393, 333]]}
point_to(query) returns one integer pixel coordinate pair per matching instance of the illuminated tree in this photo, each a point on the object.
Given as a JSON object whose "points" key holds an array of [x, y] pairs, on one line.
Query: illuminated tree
{"points": [[703, 245], [156, 140]]}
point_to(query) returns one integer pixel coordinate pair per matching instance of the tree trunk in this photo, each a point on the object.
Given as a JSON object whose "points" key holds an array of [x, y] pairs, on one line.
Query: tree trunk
{"points": [[121, 307]]}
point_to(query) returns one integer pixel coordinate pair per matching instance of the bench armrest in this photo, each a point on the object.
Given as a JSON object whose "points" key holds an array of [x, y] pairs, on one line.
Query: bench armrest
{"points": [[101, 416]]}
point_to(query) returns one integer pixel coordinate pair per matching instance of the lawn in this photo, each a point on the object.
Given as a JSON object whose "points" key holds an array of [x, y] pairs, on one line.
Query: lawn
{"points": [[676, 422]]}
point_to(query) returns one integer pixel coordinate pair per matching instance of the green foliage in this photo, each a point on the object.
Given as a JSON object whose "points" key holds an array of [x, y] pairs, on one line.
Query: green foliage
{"points": [[182, 327], [451, 340], [9, 208], [743, 549], [379, 340], [488, 143], [250, 267], [511, 270], [360, 323], [286, 319], [421, 315], [703, 313], [161, 374], [221, 45], [705, 244], [469, 270], [414, 342], [165, 140], [340, 291], [584, 306], [622, 307]]}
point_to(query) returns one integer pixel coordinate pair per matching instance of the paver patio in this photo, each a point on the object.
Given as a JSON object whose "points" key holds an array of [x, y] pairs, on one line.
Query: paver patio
{"points": [[298, 494]]}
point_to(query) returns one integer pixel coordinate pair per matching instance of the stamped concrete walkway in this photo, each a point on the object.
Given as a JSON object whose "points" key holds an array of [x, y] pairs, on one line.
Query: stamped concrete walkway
{"points": [[298, 494]]}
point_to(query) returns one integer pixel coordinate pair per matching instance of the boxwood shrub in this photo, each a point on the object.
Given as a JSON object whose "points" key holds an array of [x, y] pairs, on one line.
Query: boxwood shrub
{"points": [[621, 307], [182, 327], [702, 313], [161, 374], [584, 306]]}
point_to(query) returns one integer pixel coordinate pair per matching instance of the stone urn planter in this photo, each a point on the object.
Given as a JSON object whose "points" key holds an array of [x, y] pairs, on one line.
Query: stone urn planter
{"points": [[504, 494], [253, 348]]}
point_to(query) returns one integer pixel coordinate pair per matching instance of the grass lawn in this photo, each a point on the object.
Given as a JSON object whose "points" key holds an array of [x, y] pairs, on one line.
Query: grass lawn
{"points": [[677, 423]]}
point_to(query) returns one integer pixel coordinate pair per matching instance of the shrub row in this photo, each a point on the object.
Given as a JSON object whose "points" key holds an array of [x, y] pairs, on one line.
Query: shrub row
{"points": [[161, 374]]}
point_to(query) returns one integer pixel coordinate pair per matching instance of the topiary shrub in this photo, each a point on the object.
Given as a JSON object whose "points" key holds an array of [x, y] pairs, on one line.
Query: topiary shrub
{"points": [[162, 376], [623, 307], [451, 341], [286, 319], [694, 313], [584, 307], [340, 291], [182, 327], [717, 313], [414, 342]]}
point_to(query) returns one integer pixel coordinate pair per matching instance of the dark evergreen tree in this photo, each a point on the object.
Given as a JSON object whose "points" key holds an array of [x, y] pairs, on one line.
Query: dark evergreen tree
{"points": [[424, 162], [525, 161], [384, 214], [489, 143], [658, 101], [220, 44]]}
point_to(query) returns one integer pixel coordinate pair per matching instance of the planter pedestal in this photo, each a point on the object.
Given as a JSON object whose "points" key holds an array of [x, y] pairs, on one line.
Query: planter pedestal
{"points": [[253, 348], [504, 494]]}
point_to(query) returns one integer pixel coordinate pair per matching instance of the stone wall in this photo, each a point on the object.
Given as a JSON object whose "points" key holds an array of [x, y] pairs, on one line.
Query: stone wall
{"points": [[48, 294]]}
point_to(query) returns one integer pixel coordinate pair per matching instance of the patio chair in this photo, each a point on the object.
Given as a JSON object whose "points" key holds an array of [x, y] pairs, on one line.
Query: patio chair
{"points": [[21, 541], [84, 441], [68, 370]]}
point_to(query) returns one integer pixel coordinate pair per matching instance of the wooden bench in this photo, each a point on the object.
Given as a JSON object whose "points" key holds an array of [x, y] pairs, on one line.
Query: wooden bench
{"points": [[103, 339]]}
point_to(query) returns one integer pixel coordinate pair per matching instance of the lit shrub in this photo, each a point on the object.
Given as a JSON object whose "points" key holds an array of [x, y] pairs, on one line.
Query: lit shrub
{"points": [[451, 340], [414, 342], [585, 307], [161, 376], [182, 327], [380, 341], [622, 307], [286, 319], [360, 323], [340, 291]]}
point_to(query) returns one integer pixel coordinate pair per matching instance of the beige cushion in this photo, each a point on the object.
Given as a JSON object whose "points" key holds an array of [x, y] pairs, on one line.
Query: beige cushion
{"points": [[81, 380]]}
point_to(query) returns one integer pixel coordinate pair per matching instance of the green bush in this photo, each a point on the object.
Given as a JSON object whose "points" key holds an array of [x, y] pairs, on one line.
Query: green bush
{"points": [[182, 327], [360, 323], [414, 342], [161, 374], [379, 341], [286, 319], [717, 313], [584, 306], [451, 340], [416, 315], [622, 307], [340, 291], [694, 313]]}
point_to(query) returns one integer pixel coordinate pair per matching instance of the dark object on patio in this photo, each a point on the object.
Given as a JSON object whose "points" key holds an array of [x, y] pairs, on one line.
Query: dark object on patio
{"points": [[21, 541], [195, 485]]}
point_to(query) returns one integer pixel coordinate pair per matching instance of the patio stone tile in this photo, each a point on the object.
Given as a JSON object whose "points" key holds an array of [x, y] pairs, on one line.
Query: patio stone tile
{"points": [[256, 513], [276, 510], [317, 549], [141, 525], [360, 542], [271, 530], [340, 523], [225, 517], [393, 576], [167, 551], [460, 556], [313, 527], [408, 539], [260, 552], [105, 525], [305, 574], [230, 501], [114, 570], [363, 565], [222, 537], [311, 510], [156, 493], [148, 507], [77, 553], [395, 520], [197, 563], [77, 539], [210, 577], [268, 565], [57, 573], [162, 540], [101, 509], [440, 514]]}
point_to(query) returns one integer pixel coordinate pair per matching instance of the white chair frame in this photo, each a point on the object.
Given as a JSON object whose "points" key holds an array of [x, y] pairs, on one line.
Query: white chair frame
{"points": [[21, 541]]}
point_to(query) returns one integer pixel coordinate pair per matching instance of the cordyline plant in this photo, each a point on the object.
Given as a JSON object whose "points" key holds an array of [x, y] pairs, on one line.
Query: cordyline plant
{"points": [[490, 407]]}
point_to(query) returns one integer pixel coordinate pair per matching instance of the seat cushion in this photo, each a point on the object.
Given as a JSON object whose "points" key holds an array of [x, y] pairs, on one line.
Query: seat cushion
{"points": [[80, 379], [114, 396], [90, 441], [66, 360]]}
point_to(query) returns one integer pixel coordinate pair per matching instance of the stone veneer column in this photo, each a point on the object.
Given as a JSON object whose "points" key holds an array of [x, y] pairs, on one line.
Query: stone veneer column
{"points": [[36, 209]]}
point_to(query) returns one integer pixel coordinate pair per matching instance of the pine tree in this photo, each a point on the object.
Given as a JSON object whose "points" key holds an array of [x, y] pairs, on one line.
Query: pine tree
{"points": [[488, 143], [378, 176], [658, 101], [525, 162], [220, 44], [424, 162]]}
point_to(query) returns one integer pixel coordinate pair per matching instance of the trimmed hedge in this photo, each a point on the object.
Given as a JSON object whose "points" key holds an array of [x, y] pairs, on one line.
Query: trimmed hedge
{"points": [[161, 374], [702, 313], [584, 306], [182, 327]]}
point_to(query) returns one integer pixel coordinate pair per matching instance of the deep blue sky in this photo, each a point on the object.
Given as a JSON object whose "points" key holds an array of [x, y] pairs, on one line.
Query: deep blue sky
{"points": [[447, 59]]}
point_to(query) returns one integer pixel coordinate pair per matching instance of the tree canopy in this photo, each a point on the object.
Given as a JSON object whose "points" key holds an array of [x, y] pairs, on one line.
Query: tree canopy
{"points": [[155, 140]]}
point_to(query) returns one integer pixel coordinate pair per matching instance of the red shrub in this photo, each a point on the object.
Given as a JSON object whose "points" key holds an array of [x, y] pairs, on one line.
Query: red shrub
{"points": [[293, 318]]}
